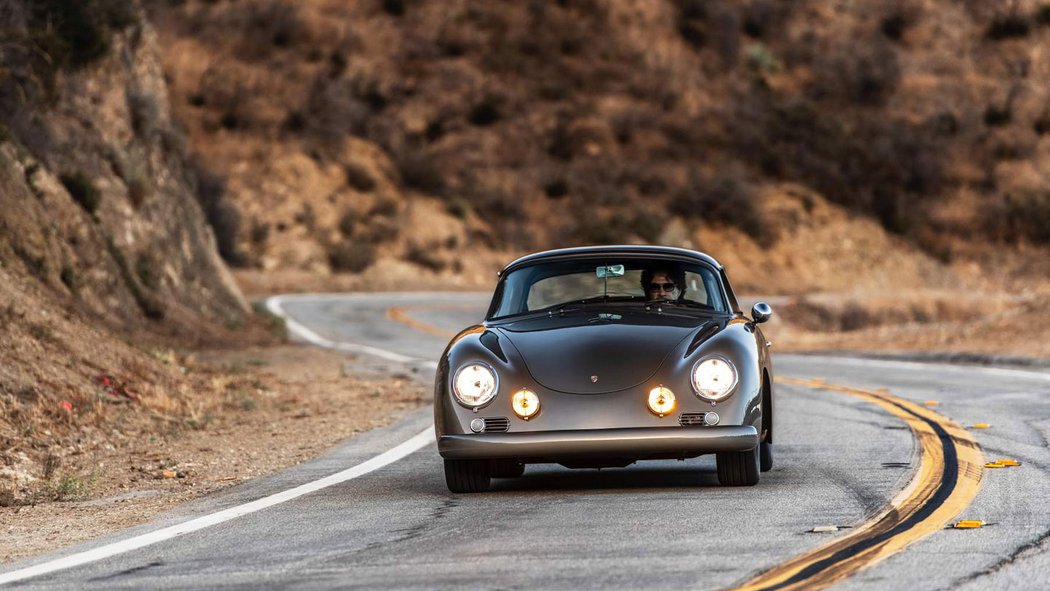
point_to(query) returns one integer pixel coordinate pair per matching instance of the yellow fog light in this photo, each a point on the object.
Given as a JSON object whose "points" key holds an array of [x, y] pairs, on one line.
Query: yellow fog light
{"points": [[661, 400], [526, 404]]}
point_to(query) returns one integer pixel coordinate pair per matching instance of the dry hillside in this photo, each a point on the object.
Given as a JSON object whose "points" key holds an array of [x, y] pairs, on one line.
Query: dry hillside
{"points": [[440, 132], [106, 258]]}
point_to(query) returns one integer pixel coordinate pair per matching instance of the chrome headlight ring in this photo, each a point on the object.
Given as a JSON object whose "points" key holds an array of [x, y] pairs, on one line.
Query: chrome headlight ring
{"points": [[475, 384], [714, 378]]}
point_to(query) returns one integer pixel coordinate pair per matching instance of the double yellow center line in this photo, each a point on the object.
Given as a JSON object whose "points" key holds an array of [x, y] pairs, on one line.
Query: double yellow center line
{"points": [[947, 481]]}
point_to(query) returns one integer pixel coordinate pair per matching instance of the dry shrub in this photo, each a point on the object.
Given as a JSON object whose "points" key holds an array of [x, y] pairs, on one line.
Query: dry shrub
{"points": [[425, 255], [350, 257], [358, 177], [270, 25], [1020, 216], [876, 165], [714, 25], [222, 215], [497, 199], [420, 170], [595, 226], [1042, 15], [853, 315], [83, 191], [379, 229], [145, 113], [863, 73], [649, 225], [725, 197], [346, 223], [334, 111], [1008, 26]]}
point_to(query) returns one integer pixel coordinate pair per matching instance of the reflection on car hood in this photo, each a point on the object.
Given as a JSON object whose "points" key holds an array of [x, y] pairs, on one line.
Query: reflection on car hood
{"points": [[594, 352]]}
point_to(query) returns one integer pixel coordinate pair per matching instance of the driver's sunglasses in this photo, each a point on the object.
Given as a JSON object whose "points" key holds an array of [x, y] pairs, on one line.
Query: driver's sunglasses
{"points": [[661, 286]]}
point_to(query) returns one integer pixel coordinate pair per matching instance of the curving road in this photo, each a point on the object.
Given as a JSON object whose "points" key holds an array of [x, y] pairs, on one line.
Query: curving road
{"points": [[386, 520]]}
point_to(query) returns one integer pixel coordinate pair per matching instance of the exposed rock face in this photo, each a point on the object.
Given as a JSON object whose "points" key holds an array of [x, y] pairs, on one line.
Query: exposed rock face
{"points": [[105, 250], [97, 201]]}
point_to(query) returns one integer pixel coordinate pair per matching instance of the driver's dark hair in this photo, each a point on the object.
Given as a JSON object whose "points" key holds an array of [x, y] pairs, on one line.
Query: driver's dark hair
{"points": [[676, 274]]}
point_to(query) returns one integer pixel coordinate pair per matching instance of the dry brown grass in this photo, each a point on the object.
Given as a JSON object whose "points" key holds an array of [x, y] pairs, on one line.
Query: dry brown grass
{"points": [[247, 413], [593, 121]]}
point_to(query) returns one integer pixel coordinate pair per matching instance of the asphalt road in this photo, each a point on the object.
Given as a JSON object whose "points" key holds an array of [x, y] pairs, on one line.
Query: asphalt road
{"points": [[839, 461]]}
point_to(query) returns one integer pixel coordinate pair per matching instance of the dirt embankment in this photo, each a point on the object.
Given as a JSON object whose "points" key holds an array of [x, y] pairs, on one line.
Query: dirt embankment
{"points": [[254, 411], [106, 256]]}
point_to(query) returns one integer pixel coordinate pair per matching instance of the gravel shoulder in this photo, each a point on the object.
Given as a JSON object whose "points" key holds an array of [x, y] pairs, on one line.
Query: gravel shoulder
{"points": [[280, 406]]}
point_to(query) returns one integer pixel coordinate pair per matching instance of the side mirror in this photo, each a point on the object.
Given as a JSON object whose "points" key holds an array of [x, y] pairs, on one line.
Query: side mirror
{"points": [[761, 312]]}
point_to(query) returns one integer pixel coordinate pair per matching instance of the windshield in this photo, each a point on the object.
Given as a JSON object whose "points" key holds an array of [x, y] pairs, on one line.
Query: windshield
{"points": [[552, 285]]}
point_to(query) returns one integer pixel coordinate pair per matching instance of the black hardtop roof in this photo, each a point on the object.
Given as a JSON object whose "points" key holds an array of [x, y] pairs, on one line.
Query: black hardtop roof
{"points": [[614, 250]]}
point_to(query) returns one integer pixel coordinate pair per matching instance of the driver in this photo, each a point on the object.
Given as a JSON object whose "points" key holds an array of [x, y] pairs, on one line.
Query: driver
{"points": [[663, 284]]}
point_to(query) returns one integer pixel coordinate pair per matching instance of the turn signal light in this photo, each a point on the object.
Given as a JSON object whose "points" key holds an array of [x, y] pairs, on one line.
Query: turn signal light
{"points": [[525, 403], [661, 401]]}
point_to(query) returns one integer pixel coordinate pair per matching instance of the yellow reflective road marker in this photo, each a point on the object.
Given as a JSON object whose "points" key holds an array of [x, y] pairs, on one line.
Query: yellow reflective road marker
{"points": [[980, 426], [1002, 463], [969, 524], [932, 403], [947, 480]]}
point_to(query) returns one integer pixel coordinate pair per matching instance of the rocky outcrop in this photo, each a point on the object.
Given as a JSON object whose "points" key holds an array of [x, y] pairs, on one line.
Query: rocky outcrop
{"points": [[98, 202]]}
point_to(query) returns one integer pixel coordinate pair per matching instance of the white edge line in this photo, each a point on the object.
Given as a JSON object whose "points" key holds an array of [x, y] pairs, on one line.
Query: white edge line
{"points": [[390, 456], [273, 304]]}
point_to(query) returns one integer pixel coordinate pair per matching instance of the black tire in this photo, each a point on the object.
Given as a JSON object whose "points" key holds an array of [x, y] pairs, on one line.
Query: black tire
{"points": [[738, 468], [765, 450], [507, 469], [467, 476]]}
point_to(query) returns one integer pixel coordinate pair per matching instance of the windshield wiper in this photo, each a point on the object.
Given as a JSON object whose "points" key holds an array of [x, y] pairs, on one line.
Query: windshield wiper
{"points": [[684, 303]]}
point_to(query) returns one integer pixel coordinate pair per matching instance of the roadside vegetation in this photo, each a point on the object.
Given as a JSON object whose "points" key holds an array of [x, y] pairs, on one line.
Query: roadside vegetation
{"points": [[540, 124]]}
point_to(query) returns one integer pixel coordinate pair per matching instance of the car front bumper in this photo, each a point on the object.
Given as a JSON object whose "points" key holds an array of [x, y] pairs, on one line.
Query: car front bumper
{"points": [[636, 443]]}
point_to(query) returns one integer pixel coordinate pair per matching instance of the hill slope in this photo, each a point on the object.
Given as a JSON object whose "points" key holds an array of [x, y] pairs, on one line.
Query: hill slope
{"points": [[431, 131]]}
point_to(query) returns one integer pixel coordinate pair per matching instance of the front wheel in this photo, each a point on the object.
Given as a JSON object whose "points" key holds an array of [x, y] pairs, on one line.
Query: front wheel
{"points": [[738, 468], [467, 476], [765, 450]]}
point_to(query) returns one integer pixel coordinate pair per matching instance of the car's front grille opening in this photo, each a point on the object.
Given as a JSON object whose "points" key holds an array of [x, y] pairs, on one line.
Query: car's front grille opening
{"points": [[497, 424], [692, 419]]}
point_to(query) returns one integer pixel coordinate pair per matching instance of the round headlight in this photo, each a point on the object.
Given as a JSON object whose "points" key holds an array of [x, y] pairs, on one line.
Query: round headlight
{"points": [[714, 378], [526, 404], [661, 400], [475, 384]]}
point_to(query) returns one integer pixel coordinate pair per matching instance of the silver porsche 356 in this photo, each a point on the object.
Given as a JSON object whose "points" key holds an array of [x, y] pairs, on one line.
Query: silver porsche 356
{"points": [[602, 356]]}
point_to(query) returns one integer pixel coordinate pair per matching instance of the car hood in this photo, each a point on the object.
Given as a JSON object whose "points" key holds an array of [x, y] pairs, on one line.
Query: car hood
{"points": [[597, 352]]}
